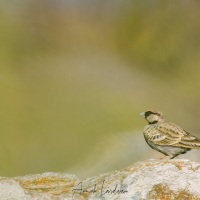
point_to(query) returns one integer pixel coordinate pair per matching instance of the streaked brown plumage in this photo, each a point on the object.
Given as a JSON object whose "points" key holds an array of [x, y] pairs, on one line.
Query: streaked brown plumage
{"points": [[166, 137]]}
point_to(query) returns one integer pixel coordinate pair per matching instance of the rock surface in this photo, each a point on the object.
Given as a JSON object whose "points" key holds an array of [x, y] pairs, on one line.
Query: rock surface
{"points": [[148, 180]]}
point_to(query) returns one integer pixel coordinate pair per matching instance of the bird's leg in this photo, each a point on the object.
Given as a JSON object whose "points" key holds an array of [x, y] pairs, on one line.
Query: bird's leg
{"points": [[174, 156]]}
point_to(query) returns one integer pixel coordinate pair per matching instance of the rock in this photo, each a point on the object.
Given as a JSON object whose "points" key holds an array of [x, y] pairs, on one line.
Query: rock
{"points": [[152, 179]]}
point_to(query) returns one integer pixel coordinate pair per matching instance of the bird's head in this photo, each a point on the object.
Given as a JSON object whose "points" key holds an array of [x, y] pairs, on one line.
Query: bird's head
{"points": [[153, 116]]}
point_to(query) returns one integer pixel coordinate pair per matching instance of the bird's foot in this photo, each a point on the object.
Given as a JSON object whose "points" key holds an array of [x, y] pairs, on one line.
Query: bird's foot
{"points": [[165, 158]]}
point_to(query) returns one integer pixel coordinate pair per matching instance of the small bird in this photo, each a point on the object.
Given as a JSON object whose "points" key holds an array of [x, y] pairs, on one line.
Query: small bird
{"points": [[166, 137]]}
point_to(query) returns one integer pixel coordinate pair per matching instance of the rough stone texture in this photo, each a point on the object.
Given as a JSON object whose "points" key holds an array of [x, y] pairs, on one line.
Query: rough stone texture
{"points": [[148, 180]]}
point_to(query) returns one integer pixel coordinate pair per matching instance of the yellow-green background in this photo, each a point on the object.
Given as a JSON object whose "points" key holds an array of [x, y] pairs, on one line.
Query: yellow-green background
{"points": [[74, 75]]}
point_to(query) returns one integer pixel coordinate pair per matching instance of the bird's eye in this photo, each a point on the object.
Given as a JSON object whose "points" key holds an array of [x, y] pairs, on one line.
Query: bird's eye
{"points": [[151, 113]]}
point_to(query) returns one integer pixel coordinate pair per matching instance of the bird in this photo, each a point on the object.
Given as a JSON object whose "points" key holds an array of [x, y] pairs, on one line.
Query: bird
{"points": [[167, 137]]}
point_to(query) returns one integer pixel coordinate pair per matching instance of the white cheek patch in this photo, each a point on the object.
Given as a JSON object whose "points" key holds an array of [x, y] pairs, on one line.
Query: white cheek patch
{"points": [[152, 118]]}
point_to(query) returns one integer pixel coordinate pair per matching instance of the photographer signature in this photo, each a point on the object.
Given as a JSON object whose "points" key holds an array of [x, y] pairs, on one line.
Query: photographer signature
{"points": [[80, 190]]}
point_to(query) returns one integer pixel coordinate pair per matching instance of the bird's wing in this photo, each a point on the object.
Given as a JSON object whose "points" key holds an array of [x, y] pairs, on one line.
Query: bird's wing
{"points": [[189, 141], [186, 139], [166, 134]]}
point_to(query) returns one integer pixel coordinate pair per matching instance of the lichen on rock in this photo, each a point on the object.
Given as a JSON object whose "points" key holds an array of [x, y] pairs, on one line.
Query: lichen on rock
{"points": [[147, 180]]}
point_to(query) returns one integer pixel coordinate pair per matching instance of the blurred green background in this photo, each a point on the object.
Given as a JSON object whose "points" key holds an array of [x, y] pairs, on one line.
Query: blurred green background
{"points": [[74, 75]]}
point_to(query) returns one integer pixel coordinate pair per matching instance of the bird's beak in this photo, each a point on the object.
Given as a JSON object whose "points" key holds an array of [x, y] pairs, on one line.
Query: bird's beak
{"points": [[142, 114]]}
